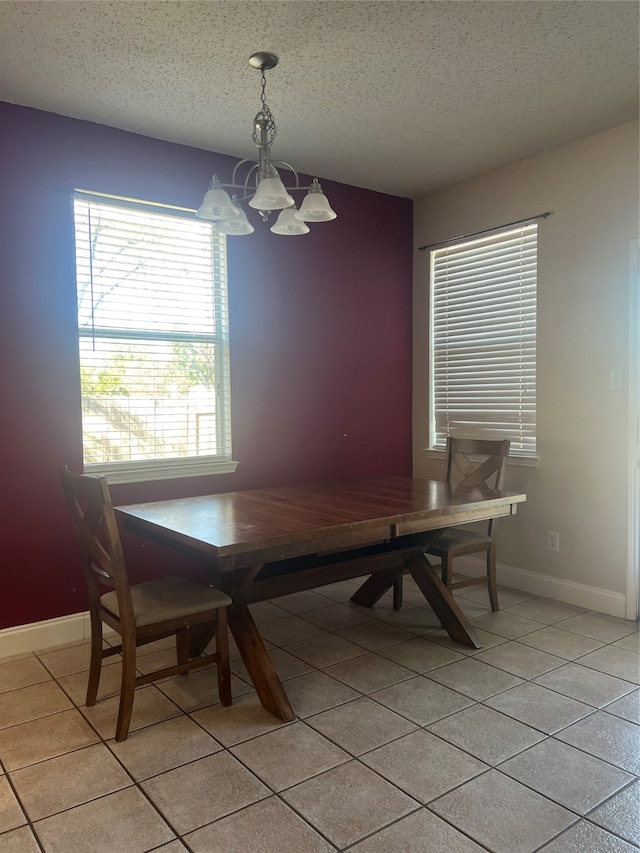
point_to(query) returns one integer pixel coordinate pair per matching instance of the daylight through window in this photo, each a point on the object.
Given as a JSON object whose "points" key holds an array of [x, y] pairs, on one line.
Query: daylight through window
{"points": [[483, 339], [153, 341]]}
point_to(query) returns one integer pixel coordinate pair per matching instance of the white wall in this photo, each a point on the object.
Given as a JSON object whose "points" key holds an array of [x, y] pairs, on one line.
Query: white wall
{"points": [[580, 486]]}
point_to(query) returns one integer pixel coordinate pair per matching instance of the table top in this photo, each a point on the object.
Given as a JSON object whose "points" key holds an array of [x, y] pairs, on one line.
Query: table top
{"points": [[299, 519]]}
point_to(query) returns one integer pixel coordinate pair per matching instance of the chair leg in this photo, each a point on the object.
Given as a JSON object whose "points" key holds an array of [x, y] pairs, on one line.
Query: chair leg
{"points": [[127, 687], [95, 666], [491, 578], [447, 570], [397, 594], [222, 648]]}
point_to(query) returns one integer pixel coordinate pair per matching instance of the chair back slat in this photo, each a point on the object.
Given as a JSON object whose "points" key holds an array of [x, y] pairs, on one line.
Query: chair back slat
{"points": [[476, 474], [463, 467], [464, 470], [94, 522]]}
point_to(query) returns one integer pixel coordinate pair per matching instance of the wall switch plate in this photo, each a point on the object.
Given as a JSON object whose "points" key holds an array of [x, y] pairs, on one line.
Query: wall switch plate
{"points": [[616, 380], [553, 540]]}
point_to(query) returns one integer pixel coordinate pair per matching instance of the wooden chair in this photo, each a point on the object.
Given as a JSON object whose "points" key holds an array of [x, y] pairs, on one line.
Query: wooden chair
{"points": [[140, 613], [468, 462]]}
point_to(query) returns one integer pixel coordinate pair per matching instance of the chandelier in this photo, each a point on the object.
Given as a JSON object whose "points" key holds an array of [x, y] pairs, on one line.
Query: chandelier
{"points": [[262, 187]]}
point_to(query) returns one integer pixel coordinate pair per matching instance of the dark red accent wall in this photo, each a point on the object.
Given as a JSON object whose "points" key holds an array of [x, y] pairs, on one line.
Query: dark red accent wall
{"points": [[320, 330]]}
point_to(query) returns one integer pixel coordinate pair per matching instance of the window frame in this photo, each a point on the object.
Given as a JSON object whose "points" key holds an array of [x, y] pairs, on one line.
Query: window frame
{"points": [[517, 456], [152, 469]]}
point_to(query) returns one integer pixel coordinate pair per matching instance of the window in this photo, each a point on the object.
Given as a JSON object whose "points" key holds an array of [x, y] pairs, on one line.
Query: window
{"points": [[483, 339], [153, 341]]}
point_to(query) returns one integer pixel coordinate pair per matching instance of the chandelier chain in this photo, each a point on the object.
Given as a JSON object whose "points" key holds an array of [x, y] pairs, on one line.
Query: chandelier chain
{"points": [[263, 94], [264, 124]]}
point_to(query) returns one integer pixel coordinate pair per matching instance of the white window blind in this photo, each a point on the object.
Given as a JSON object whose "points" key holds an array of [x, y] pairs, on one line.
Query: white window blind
{"points": [[153, 340], [483, 339]]}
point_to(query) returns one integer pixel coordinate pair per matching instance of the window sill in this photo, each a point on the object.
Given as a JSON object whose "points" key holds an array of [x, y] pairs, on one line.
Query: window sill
{"points": [[160, 469], [517, 461]]}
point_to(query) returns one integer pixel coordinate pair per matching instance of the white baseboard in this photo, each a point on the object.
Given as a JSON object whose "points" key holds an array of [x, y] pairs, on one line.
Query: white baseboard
{"points": [[41, 635], [569, 592]]}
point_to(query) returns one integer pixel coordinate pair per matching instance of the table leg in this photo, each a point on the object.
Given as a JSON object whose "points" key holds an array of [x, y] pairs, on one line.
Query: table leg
{"points": [[438, 596], [259, 665], [198, 638], [442, 601], [250, 645], [376, 585]]}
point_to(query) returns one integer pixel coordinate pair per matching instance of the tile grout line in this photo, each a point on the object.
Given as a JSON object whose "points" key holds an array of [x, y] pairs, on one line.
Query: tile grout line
{"points": [[305, 722], [28, 822]]}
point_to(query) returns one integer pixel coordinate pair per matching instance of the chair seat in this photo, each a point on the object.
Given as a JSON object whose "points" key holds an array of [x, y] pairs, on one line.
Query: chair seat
{"points": [[167, 598], [454, 539]]}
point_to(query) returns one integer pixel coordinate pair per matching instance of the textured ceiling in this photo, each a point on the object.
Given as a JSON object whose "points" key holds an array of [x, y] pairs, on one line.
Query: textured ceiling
{"points": [[400, 97]]}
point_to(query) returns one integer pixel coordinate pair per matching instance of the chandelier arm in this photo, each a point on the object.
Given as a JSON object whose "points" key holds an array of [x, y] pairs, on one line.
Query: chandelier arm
{"points": [[244, 186], [250, 190], [291, 169]]}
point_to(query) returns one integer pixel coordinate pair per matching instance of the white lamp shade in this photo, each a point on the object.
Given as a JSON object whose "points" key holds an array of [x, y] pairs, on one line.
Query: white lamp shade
{"points": [[216, 204], [315, 208], [237, 226], [288, 225], [271, 195]]}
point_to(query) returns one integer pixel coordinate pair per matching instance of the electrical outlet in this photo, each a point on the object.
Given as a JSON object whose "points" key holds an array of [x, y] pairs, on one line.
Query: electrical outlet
{"points": [[553, 540]]}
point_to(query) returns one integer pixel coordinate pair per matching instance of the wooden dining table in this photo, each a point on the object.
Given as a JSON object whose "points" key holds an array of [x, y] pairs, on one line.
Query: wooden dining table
{"points": [[266, 543]]}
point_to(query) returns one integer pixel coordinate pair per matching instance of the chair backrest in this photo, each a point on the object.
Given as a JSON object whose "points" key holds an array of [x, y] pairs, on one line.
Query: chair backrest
{"points": [[477, 462], [94, 522], [487, 468]]}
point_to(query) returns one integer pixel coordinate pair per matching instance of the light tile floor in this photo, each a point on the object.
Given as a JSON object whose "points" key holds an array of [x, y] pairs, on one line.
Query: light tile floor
{"points": [[405, 741]]}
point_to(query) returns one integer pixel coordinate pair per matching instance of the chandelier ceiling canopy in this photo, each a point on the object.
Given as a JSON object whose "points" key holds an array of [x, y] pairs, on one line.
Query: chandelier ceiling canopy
{"points": [[262, 187]]}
